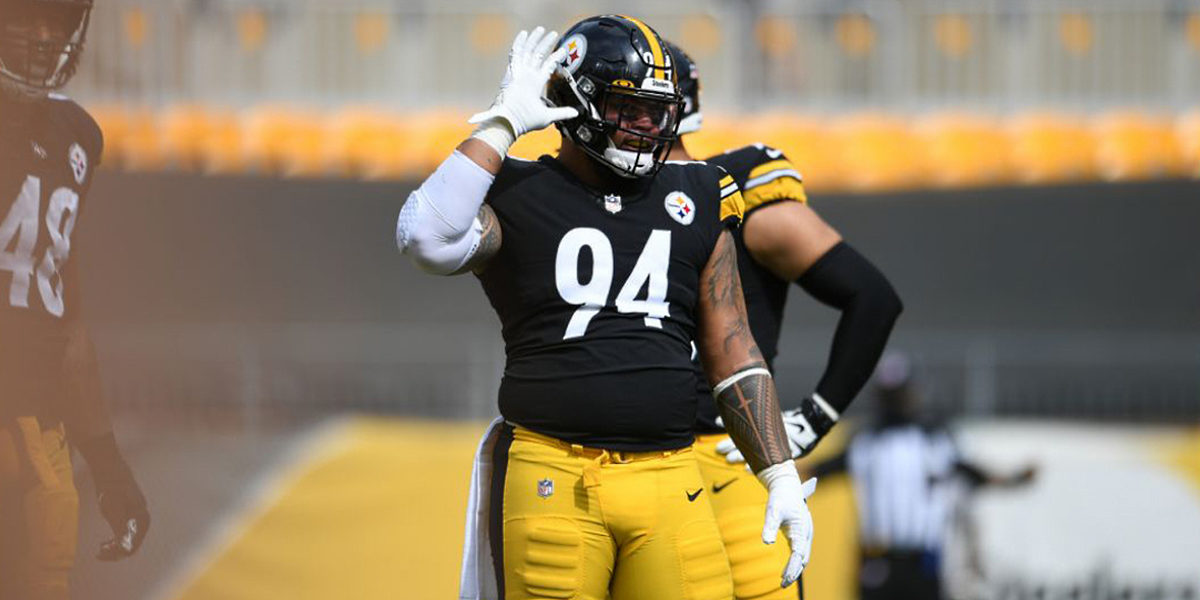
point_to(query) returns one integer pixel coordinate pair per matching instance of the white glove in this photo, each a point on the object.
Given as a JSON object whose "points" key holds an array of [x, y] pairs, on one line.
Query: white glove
{"points": [[802, 436], [519, 107], [786, 506]]}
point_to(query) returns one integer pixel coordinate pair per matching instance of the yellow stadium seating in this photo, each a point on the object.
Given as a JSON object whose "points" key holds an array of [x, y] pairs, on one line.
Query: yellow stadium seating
{"points": [[533, 145], [131, 138], [964, 149], [718, 135], [1050, 147], [367, 143], [1187, 132], [806, 141], [878, 152], [196, 138], [436, 135], [142, 148], [285, 141], [114, 122], [1136, 145]]}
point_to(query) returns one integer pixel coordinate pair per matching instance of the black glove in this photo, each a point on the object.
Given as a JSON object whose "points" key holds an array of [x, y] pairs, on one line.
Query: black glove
{"points": [[121, 501]]}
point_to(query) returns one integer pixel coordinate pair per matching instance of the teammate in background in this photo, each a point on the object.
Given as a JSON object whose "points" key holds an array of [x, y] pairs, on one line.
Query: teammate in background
{"points": [[782, 241], [49, 148], [611, 262], [909, 481]]}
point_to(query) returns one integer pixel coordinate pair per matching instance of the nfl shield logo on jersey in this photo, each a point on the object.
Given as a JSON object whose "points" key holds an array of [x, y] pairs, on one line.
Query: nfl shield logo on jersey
{"points": [[545, 488], [680, 207], [612, 203], [78, 159]]}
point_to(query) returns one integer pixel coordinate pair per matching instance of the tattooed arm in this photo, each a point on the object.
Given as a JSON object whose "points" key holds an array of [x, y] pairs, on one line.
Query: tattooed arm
{"points": [[746, 398], [742, 385], [489, 242]]}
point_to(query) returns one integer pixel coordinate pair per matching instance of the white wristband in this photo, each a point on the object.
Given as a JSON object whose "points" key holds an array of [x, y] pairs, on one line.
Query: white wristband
{"points": [[778, 472], [736, 377], [496, 133]]}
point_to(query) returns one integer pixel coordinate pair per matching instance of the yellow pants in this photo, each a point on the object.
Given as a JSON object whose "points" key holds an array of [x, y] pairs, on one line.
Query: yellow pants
{"points": [[39, 511], [582, 523], [740, 502]]}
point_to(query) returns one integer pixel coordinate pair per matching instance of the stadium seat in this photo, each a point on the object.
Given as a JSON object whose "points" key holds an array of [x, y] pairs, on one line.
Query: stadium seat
{"points": [[367, 143], [1187, 132], [141, 147], [437, 134], [114, 122], [1050, 147], [285, 141], [964, 149], [196, 138], [1135, 145], [806, 141], [131, 138], [878, 152], [532, 145], [718, 134]]}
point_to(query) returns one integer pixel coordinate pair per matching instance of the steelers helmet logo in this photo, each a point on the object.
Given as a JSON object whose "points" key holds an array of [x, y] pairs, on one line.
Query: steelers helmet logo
{"points": [[680, 207], [576, 47]]}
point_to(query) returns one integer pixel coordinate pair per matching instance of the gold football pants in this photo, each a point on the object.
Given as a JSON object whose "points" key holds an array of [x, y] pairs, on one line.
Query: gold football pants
{"points": [[581, 523], [39, 511], [740, 503]]}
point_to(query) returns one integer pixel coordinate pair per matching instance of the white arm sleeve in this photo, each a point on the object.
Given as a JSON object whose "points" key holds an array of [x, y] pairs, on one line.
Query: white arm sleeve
{"points": [[438, 227]]}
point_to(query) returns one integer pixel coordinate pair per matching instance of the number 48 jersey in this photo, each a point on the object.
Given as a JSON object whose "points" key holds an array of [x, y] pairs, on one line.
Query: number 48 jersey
{"points": [[48, 151], [597, 296]]}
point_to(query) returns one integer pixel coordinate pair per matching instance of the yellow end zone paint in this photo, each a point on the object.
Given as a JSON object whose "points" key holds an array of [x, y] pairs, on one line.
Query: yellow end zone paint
{"points": [[373, 509]]}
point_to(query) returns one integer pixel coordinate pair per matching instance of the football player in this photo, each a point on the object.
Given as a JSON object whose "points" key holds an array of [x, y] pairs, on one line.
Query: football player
{"points": [[782, 241], [603, 264], [49, 149]]}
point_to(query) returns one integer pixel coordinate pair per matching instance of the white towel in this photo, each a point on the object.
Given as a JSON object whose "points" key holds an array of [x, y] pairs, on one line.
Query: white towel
{"points": [[478, 579]]}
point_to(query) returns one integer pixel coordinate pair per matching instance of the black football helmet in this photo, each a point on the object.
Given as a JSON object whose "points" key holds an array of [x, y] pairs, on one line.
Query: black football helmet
{"points": [[619, 76], [690, 118], [41, 42]]}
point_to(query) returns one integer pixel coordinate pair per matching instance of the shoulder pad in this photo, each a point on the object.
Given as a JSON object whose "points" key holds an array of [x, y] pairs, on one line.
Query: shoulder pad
{"points": [[772, 178], [81, 123], [733, 205]]}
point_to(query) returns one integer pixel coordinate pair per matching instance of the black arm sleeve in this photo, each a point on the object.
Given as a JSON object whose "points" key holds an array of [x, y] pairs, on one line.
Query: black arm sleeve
{"points": [[830, 466], [844, 279]]}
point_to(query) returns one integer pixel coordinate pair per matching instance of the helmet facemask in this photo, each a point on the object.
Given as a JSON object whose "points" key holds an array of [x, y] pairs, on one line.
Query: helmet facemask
{"points": [[40, 45]]}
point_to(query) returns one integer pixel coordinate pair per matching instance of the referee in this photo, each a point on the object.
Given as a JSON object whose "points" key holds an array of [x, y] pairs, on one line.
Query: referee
{"points": [[908, 477]]}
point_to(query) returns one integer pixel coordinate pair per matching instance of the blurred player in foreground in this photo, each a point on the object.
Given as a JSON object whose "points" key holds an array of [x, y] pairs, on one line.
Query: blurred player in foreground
{"points": [[909, 478], [49, 149], [610, 264], [782, 241]]}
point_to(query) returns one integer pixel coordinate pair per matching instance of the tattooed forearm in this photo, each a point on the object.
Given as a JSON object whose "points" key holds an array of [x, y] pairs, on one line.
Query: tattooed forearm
{"points": [[725, 295], [750, 409], [489, 242]]}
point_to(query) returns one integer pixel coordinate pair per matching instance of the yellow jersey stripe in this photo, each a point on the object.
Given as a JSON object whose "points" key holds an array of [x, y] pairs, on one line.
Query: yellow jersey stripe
{"points": [[655, 48], [733, 207]]}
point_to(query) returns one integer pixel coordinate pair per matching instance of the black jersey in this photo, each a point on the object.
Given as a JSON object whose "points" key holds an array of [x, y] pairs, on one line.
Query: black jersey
{"points": [[48, 152], [765, 176], [597, 296]]}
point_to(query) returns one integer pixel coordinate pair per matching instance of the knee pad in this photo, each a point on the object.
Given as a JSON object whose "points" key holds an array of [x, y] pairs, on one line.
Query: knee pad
{"points": [[705, 567], [548, 555], [756, 567]]}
